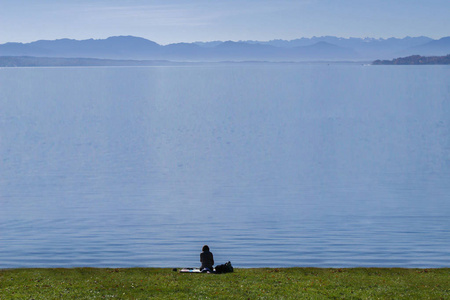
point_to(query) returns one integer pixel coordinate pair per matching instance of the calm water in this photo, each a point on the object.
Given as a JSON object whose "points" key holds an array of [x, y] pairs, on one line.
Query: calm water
{"points": [[271, 165]]}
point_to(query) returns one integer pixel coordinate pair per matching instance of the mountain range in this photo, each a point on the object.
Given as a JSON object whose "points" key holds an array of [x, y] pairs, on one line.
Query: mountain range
{"points": [[327, 48]]}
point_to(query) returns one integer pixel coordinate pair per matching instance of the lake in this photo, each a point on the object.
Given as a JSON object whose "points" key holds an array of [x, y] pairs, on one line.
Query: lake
{"points": [[271, 165]]}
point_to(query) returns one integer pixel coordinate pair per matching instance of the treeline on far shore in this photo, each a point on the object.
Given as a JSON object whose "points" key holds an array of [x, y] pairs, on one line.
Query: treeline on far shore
{"points": [[416, 60]]}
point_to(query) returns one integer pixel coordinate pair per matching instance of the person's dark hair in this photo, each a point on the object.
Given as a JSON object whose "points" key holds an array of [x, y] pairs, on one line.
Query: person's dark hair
{"points": [[205, 248]]}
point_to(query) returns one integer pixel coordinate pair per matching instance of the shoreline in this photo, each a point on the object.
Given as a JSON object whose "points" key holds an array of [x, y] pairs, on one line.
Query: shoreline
{"points": [[415, 60], [35, 61], [237, 268]]}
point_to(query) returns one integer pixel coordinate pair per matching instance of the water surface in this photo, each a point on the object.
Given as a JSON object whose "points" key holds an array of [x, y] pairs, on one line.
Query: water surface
{"points": [[272, 165]]}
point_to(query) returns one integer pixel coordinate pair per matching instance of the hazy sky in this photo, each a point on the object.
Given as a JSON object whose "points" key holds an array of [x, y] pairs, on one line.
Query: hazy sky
{"points": [[171, 21]]}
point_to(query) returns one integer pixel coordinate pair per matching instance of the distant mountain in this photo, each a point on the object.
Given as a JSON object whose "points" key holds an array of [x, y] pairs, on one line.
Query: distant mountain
{"points": [[325, 50], [435, 47], [364, 48], [114, 47], [244, 51], [304, 49], [19, 49], [356, 43], [121, 47]]}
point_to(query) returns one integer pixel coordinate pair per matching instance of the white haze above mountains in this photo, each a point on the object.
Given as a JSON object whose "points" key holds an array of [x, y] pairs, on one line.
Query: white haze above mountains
{"points": [[303, 49]]}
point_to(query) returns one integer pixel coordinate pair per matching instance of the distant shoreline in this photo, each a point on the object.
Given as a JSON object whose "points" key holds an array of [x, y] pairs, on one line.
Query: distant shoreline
{"points": [[34, 61], [416, 60]]}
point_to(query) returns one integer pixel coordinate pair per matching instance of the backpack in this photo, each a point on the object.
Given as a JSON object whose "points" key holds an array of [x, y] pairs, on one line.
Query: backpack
{"points": [[225, 268]]}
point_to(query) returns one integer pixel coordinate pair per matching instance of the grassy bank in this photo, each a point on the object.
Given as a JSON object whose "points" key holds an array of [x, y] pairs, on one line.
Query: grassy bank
{"points": [[290, 283]]}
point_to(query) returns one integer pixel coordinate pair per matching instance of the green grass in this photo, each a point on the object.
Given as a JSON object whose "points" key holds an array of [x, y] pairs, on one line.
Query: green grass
{"points": [[289, 283]]}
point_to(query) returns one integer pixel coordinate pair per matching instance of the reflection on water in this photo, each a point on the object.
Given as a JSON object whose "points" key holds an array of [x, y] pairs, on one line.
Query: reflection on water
{"points": [[271, 165]]}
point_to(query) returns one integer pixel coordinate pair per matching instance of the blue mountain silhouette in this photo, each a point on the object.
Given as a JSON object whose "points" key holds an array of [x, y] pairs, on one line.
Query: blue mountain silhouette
{"points": [[316, 48]]}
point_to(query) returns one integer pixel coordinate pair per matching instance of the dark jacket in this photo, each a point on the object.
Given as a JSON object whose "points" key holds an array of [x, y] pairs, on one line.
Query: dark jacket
{"points": [[207, 260]]}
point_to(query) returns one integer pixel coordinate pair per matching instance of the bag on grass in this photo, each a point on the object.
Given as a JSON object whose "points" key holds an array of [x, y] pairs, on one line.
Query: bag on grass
{"points": [[225, 268]]}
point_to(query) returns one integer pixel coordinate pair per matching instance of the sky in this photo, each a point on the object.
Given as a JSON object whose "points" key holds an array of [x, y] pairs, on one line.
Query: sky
{"points": [[174, 21]]}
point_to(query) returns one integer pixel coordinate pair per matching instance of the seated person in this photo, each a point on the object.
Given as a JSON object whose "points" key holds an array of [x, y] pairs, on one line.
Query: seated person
{"points": [[207, 259]]}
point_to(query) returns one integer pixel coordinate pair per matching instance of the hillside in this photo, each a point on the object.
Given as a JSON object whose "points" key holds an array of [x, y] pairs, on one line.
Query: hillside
{"points": [[433, 48]]}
